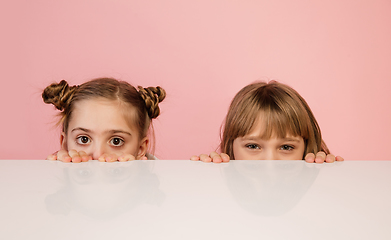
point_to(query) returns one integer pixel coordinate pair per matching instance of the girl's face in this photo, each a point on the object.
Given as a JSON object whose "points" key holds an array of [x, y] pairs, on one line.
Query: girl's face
{"points": [[252, 147], [99, 126]]}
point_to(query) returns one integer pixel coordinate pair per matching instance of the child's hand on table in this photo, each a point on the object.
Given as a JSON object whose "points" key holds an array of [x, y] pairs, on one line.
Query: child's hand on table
{"points": [[322, 157], [212, 157], [77, 157]]}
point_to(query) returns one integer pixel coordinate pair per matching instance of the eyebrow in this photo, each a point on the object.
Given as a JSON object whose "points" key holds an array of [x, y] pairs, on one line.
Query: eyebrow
{"points": [[114, 131], [81, 129], [119, 131], [291, 139], [254, 138]]}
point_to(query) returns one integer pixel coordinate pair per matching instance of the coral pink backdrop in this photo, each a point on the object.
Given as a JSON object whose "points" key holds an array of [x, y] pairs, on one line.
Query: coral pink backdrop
{"points": [[337, 54]]}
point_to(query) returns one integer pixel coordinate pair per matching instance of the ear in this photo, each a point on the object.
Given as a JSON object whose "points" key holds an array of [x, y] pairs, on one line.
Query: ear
{"points": [[144, 143], [63, 141]]}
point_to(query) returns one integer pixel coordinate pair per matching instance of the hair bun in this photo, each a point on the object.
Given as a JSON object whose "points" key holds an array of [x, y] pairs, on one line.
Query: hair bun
{"points": [[152, 97], [59, 94]]}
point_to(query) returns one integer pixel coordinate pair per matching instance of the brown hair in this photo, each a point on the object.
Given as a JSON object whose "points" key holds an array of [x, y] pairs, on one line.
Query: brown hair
{"points": [[145, 101], [283, 111]]}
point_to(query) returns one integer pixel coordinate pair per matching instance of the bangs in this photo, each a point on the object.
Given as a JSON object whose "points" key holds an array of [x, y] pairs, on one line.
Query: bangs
{"points": [[273, 124], [280, 120]]}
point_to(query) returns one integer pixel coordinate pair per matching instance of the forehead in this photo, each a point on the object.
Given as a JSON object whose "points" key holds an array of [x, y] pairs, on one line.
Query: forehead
{"points": [[100, 114]]}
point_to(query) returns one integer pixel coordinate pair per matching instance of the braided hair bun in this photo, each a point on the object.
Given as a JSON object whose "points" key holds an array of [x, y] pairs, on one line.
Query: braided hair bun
{"points": [[59, 94], [152, 97]]}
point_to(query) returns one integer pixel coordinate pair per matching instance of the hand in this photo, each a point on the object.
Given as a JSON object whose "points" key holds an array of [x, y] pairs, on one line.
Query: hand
{"points": [[212, 157], [71, 156], [76, 157], [322, 157], [113, 157]]}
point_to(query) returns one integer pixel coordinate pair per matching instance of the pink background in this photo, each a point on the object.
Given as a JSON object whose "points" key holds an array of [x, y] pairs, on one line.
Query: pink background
{"points": [[336, 54]]}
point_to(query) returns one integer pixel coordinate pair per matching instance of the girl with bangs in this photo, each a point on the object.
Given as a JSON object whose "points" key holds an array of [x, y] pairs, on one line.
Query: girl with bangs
{"points": [[270, 121]]}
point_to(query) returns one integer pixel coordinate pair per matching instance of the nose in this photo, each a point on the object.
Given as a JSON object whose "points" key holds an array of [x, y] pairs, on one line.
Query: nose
{"points": [[98, 150], [270, 155]]}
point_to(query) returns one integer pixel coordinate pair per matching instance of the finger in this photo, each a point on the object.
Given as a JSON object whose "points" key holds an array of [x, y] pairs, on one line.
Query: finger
{"points": [[310, 158], [216, 158], [330, 158], [195, 158], [213, 154], [84, 156], [320, 157], [205, 158], [63, 156], [114, 157], [51, 157], [126, 157], [75, 156], [111, 158], [224, 157], [102, 158], [339, 158]]}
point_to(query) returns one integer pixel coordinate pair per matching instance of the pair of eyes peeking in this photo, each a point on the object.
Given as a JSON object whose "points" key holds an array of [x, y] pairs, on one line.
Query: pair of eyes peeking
{"points": [[85, 140], [284, 147]]}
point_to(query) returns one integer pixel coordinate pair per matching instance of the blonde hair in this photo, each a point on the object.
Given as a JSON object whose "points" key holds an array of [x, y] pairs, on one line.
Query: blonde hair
{"points": [[283, 111], [144, 100]]}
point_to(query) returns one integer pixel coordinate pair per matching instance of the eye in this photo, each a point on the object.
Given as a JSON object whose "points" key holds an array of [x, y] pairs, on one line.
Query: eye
{"points": [[83, 140], [117, 142], [286, 147], [252, 146]]}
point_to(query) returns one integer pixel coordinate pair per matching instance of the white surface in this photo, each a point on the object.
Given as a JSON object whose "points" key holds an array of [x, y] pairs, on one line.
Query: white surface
{"points": [[194, 200]]}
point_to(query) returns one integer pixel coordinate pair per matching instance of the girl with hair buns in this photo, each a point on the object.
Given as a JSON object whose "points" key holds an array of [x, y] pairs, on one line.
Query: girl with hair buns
{"points": [[270, 121], [104, 119]]}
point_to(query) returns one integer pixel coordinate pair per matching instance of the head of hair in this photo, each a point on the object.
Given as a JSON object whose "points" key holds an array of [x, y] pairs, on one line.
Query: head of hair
{"points": [[281, 111], [145, 101]]}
